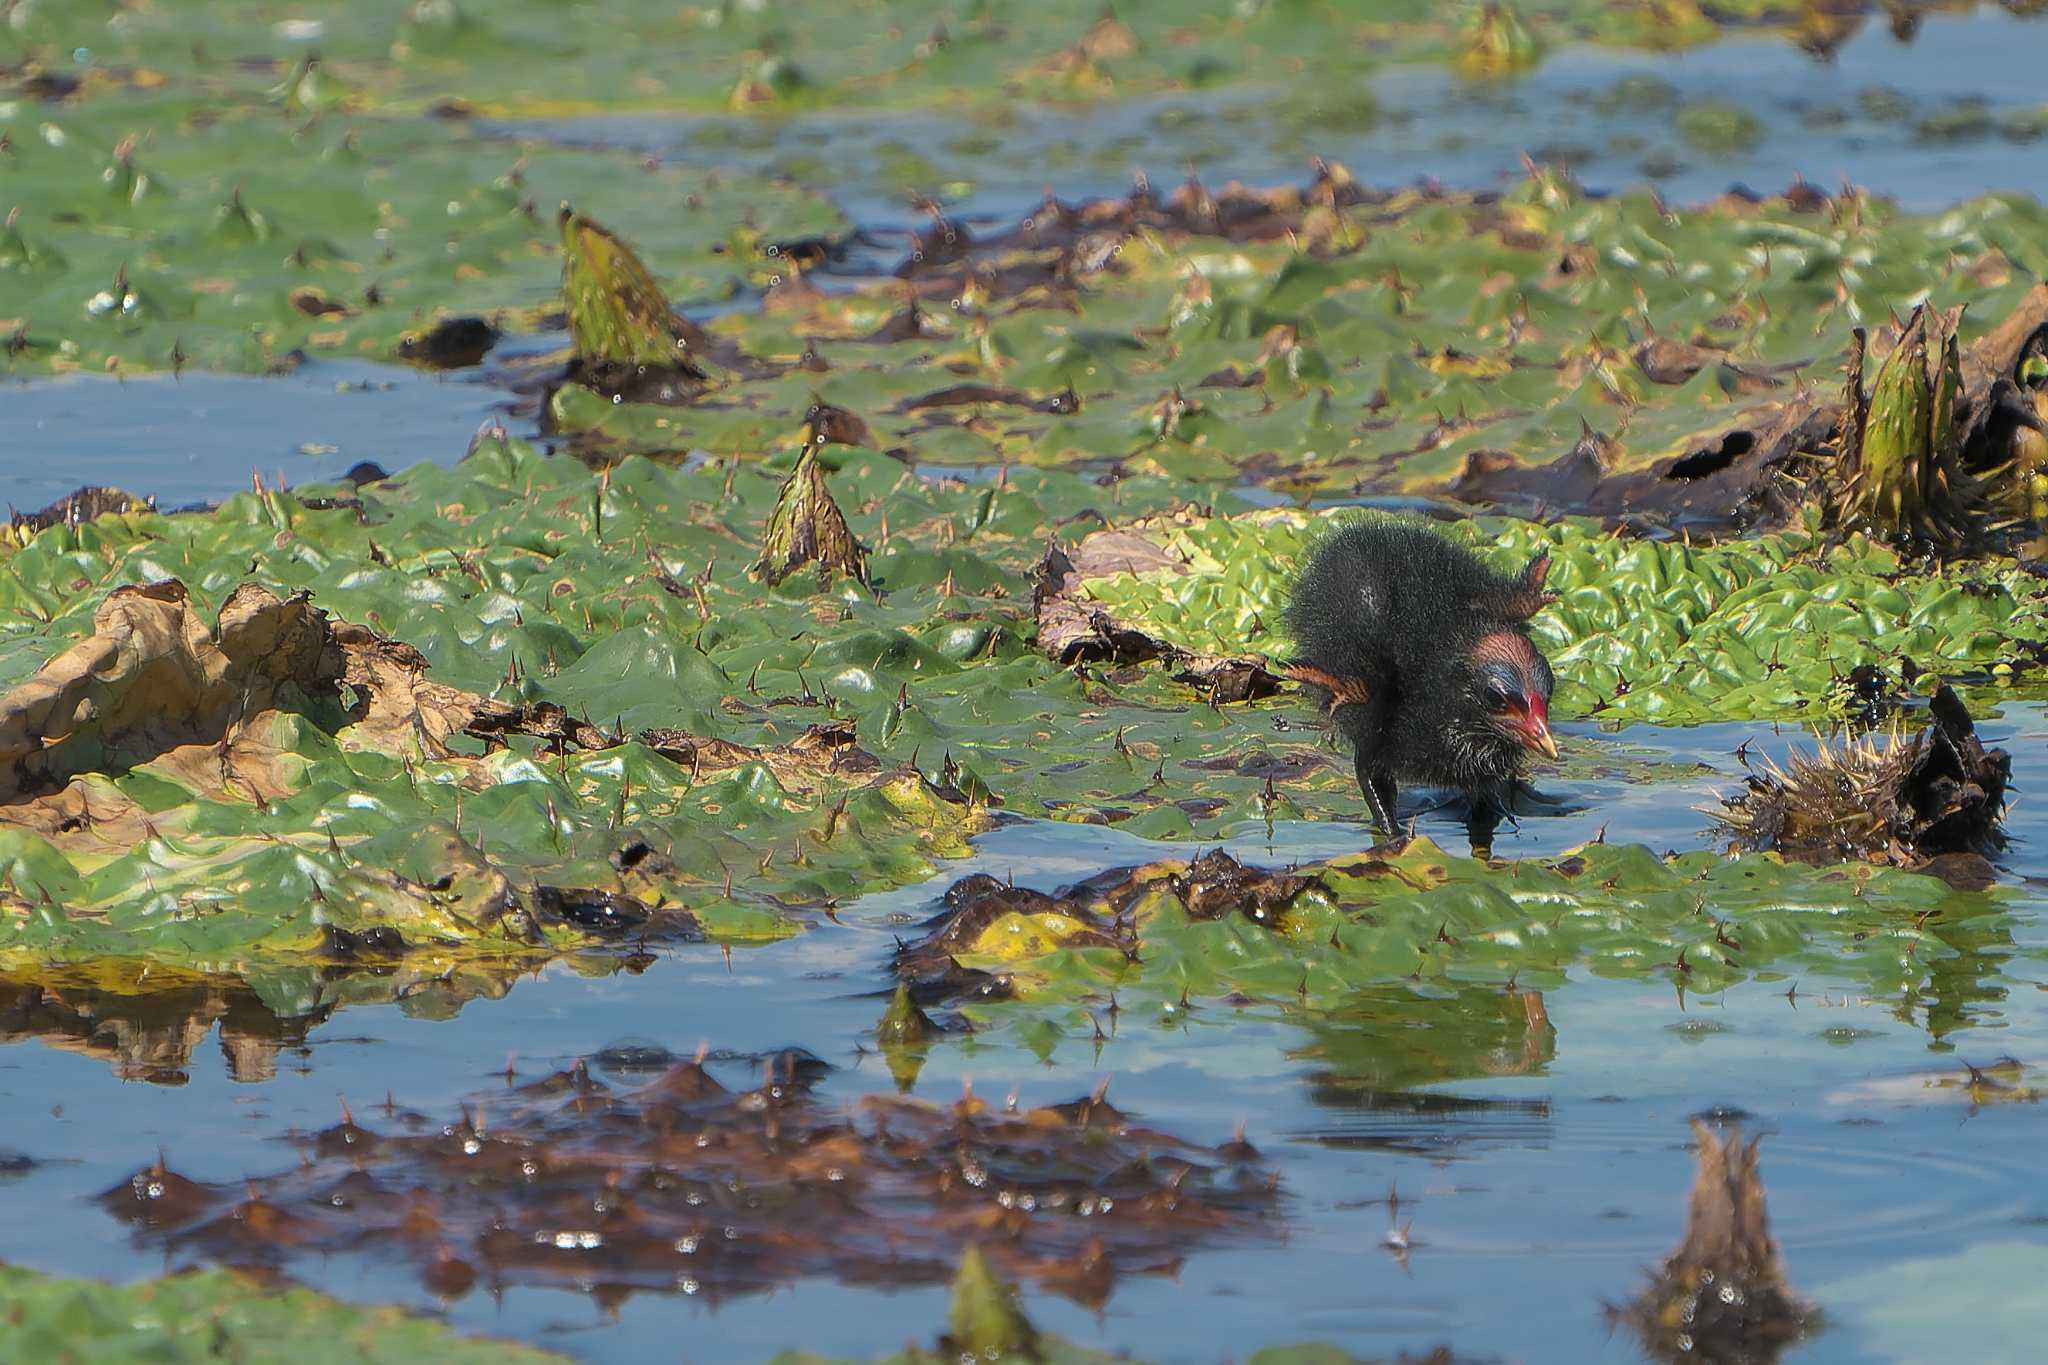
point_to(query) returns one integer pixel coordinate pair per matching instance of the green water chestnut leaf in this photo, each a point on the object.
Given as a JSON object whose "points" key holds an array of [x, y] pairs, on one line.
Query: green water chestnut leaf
{"points": [[605, 732], [1537, 350], [335, 235]]}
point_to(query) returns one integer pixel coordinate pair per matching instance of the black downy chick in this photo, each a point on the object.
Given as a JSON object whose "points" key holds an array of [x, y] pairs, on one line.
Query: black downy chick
{"points": [[1422, 655]]}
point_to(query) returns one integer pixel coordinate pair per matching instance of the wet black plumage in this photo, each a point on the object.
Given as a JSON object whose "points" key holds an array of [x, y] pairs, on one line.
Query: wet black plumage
{"points": [[1422, 653]]}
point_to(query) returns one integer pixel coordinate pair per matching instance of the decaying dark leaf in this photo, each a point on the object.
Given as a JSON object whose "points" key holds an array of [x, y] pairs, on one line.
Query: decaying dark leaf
{"points": [[608, 914], [1216, 884], [823, 750], [1721, 1297], [983, 915], [1904, 800], [450, 344], [73, 508], [808, 527], [829, 424], [683, 1184], [1229, 680], [986, 918], [1074, 630]]}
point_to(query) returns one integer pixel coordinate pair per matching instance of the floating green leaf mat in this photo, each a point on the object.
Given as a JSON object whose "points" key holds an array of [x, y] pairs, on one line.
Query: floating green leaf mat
{"points": [[219, 1314], [150, 232], [1768, 628], [1334, 945], [519, 57], [550, 713]]}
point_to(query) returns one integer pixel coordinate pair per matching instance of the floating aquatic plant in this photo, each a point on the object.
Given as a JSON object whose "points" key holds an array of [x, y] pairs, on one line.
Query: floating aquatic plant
{"points": [[626, 335], [1497, 41], [807, 527], [1722, 1296], [1902, 799], [1901, 443]]}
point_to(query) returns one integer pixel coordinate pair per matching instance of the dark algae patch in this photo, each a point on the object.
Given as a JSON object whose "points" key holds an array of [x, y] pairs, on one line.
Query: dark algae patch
{"points": [[684, 1185]]}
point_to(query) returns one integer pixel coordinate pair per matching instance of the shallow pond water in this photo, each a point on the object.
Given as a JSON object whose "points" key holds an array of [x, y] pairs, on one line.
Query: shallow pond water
{"points": [[1951, 115], [1531, 1190], [1532, 1196], [200, 437]]}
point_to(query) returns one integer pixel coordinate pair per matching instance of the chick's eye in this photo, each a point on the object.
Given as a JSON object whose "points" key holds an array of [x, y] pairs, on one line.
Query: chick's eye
{"points": [[1498, 698]]}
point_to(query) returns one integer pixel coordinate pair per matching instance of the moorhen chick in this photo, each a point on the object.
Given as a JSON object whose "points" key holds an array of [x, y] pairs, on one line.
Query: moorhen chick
{"points": [[1421, 654]]}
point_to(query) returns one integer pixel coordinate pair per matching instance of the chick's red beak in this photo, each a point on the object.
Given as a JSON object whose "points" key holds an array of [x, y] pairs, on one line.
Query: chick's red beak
{"points": [[1535, 728]]}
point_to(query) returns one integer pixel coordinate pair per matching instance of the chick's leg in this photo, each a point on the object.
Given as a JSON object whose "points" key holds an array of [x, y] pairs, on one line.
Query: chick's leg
{"points": [[1382, 800], [1363, 723], [1378, 788]]}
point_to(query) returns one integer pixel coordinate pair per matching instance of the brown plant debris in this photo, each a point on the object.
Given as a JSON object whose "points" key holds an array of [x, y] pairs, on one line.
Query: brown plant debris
{"points": [[83, 505], [979, 915], [808, 527], [683, 1183], [1074, 630], [1721, 1297], [1928, 451], [1905, 800], [1216, 884], [153, 683], [826, 750]]}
